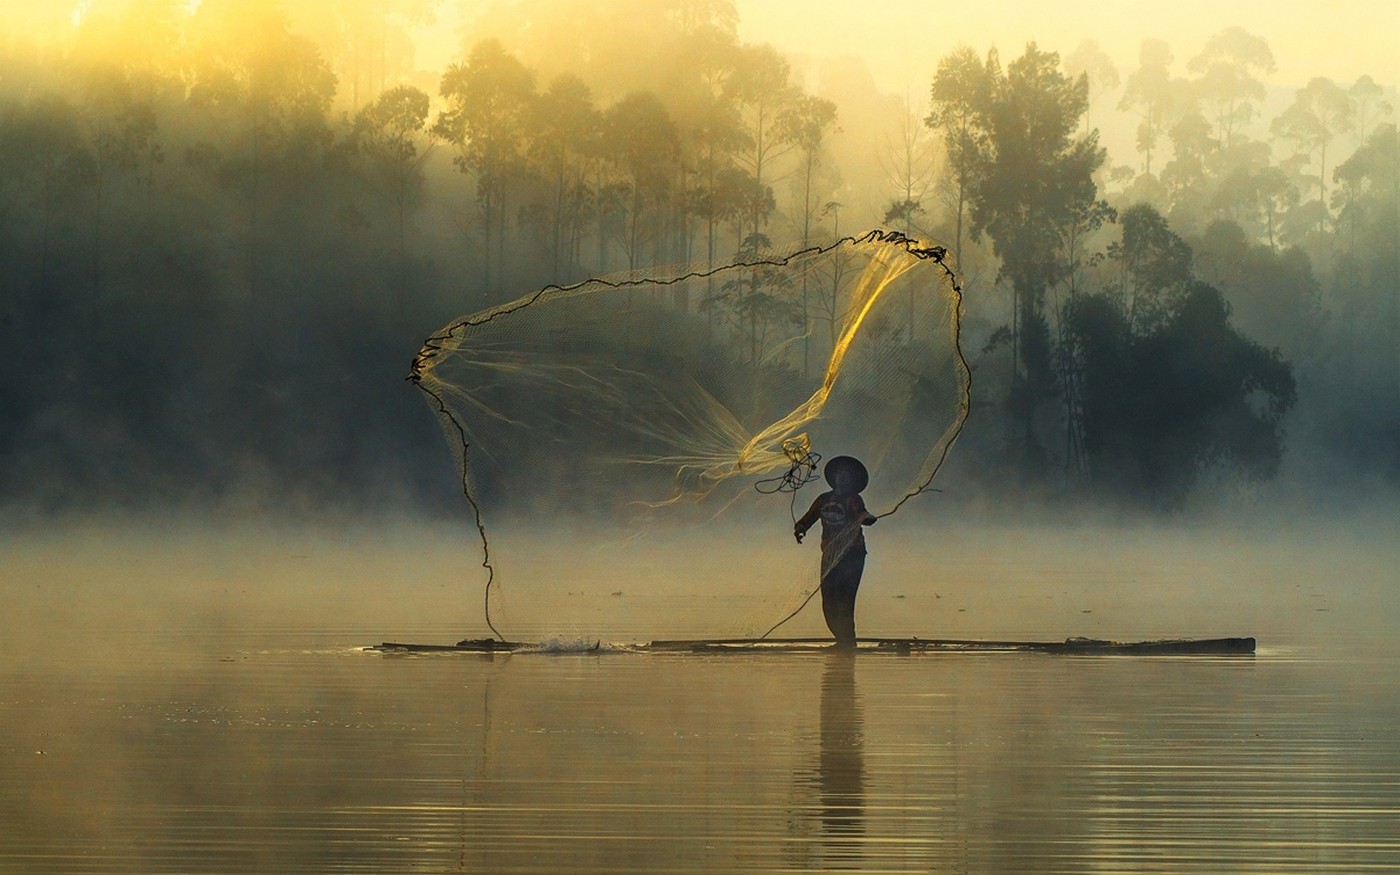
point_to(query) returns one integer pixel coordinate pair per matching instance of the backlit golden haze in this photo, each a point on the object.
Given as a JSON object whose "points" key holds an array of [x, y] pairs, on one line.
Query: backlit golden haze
{"points": [[1339, 40], [306, 187], [868, 63], [630, 242], [876, 67]]}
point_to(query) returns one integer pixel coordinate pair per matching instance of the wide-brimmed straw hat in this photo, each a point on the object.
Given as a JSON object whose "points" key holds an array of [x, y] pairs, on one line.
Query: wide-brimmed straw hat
{"points": [[860, 478]]}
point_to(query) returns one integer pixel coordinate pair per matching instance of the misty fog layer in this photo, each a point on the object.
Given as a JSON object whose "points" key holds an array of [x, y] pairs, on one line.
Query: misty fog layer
{"points": [[188, 592], [228, 225]]}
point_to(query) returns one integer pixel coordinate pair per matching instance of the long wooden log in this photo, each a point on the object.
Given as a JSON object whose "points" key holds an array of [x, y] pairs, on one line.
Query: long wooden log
{"points": [[1072, 646]]}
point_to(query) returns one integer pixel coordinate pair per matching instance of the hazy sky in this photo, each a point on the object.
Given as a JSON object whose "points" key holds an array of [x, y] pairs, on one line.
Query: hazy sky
{"points": [[902, 41]]}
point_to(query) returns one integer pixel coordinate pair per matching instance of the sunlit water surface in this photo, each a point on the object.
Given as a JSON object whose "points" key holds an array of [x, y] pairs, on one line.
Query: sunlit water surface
{"points": [[208, 723]]}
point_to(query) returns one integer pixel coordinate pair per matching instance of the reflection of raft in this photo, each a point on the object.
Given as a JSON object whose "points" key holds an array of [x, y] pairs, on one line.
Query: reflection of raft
{"points": [[1070, 646]]}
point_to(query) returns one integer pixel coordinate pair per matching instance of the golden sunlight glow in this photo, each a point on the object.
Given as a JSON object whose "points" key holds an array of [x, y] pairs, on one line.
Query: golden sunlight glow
{"points": [[80, 11], [902, 47], [1338, 40]]}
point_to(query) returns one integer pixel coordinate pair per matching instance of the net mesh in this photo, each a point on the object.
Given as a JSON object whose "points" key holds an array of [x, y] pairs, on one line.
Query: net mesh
{"points": [[704, 398]]}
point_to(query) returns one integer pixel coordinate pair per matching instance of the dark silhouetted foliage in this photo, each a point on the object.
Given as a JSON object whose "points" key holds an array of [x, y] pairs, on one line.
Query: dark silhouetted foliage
{"points": [[1161, 405]]}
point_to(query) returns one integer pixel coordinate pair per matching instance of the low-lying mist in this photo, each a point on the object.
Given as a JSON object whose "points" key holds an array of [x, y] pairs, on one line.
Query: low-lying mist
{"points": [[75, 594]]}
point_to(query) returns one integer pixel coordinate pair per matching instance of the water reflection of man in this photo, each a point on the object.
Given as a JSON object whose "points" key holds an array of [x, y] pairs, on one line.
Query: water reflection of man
{"points": [[841, 763]]}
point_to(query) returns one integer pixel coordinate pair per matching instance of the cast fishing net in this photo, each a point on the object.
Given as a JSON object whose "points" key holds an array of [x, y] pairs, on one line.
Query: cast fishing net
{"points": [[642, 406]]}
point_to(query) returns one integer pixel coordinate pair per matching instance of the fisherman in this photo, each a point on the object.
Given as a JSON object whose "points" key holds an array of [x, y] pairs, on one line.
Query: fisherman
{"points": [[842, 512]]}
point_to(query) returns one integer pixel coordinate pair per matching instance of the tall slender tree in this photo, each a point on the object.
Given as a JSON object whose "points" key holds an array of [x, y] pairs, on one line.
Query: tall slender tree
{"points": [[392, 133], [761, 87], [1090, 61], [811, 120], [1155, 95], [960, 94], [563, 128], [1320, 112], [488, 103], [1228, 68], [1037, 181], [1368, 105], [640, 140], [265, 92], [910, 165]]}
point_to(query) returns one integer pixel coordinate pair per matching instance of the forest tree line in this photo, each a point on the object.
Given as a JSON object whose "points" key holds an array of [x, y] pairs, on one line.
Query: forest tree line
{"points": [[222, 249]]}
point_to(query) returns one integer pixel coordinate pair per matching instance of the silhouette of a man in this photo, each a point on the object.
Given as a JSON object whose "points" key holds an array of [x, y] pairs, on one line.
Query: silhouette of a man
{"points": [[842, 513]]}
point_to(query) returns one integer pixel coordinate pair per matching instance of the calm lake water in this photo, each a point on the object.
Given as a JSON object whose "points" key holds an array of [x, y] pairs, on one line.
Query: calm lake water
{"points": [[203, 705]]}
